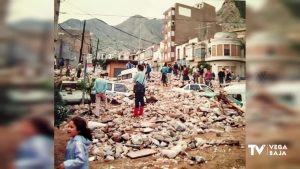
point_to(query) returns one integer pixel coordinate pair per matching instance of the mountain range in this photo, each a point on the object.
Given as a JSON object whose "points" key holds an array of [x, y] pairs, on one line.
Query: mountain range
{"points": [[113, 39]]}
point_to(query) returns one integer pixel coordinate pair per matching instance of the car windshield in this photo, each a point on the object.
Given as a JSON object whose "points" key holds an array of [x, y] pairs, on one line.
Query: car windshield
{"points": [[109, 86], [206, 88], [70, 86], [195, 87], [186, 87], [120, 88]]}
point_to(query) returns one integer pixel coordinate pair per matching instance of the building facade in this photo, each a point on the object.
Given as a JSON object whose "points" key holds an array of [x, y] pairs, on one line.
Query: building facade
{"points": [[224, 50], [184, 22], [227, 51]]}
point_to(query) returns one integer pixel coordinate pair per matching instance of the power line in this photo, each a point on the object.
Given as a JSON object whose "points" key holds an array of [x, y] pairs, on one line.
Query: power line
{"points": [[126, 16], [112, 26]]}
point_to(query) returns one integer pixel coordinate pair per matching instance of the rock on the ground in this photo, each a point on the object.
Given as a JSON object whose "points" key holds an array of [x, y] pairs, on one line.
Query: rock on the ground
{"points": [[137, 139], [93, 125]]}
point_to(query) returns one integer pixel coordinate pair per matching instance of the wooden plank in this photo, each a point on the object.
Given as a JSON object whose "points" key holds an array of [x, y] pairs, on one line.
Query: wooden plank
{"points": [[141, 153]]}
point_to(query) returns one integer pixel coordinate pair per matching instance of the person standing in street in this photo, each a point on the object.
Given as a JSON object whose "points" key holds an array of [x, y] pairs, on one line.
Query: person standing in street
{"points": [[129, 65], [185, 74], [100, 86], [221, 76], [79, 69], [169, 74], [148, 71], [180, 68], [201, 72], [139, 81], [208, 77], [175, 69], [164, 71], [228, 76], [196, 74]]}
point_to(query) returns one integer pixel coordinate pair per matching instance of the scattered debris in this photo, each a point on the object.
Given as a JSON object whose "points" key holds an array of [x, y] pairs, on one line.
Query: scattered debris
{"points": [[141, 153]]}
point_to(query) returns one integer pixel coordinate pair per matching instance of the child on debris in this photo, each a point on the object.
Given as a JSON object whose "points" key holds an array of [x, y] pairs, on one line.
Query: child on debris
{"points": [[76, 155], [139, 90]]}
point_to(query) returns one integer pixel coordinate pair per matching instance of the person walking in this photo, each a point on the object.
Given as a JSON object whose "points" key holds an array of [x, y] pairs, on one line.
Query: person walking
{"points": [[221, 76], [129, 65], [79, 69], [208, 77], [201, 72], [139, 81], [228, 76], [164, 71], [100, 86], [169, 74], [148, 71], [76, 154], [185, 74], [175, 69], [180, 69], [196, 74]]}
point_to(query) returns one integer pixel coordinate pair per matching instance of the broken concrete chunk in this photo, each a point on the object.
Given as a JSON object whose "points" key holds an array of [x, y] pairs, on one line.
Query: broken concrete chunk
{"points": [[141, 153], [93, 125], [147, 130], [137, 139]]}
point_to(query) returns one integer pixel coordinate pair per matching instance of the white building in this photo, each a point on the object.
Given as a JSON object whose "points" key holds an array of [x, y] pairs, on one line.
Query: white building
{"points": [[226, 50]]}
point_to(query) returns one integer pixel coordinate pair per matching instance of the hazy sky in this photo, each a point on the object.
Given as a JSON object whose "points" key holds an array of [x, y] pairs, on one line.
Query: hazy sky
{"points": [[111, 11]]}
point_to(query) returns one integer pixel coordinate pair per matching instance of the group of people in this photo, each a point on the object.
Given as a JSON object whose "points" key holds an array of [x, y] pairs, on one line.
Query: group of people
{"points": [[177, 70], [200, 75], [225, 77], [139, 80]]}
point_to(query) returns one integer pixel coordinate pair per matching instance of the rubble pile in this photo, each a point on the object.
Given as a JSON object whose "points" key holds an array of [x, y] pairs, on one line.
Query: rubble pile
{"points": [[170, 122]]}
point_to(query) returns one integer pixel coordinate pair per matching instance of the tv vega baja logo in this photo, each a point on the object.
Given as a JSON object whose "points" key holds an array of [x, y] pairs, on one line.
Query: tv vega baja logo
{"points": [[271, 149]]}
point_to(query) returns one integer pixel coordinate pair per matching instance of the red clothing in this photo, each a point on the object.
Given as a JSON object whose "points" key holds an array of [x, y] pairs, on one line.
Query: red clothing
{"points": [[208, 76], [185, 72]]}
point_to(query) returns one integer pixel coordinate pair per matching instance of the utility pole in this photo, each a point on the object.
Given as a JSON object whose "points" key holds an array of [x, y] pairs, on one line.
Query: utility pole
{"points": [[82, 40], [96, 55], [60, 56], [140, 43], [84, 79]]}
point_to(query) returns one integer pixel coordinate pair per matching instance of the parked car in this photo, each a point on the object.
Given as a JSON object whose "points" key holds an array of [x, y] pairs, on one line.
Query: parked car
{"points": [[127, 74], [203, 89], [113, 89], [236, 93], [70, 93]]}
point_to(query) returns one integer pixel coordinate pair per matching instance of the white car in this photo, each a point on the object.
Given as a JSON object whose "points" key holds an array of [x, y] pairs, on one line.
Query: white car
{"points": [[238, 92], [70, 93], [201, 88], [115, 88]]}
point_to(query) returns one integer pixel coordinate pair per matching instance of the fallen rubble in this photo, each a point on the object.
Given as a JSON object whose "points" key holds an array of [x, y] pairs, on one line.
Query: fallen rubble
{"points": [[170, 122]]}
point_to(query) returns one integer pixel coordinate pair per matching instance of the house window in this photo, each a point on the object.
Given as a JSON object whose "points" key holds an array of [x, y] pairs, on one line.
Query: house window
{"points": [[239, 51], [219, 50], [226, 50], [197, 52], [203, 52], [214, 50], [233, 50]]}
